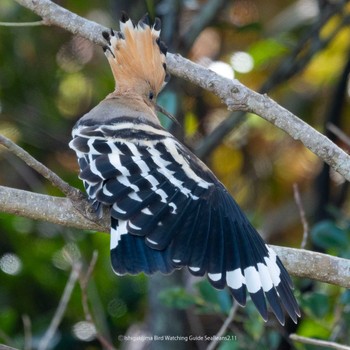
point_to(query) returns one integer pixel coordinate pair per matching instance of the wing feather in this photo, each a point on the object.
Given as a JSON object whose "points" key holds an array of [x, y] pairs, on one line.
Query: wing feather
{"points": [[169, 211]]}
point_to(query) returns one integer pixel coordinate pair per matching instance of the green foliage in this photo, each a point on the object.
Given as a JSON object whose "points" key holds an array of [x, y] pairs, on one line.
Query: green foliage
{"points": [[263, 51], [177, 297], [316, 304], [330, 237]]}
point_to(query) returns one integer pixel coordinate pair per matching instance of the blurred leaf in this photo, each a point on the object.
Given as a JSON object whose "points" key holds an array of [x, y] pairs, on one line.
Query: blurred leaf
{"points": [[326, 234], [312, 328], [231, 343], [168, 100], [254, 325], [274, 339], [345, 297], [177, 297], [191, 123], [317, 303], [264, 50], [219, 299], [8, 319], [225, 300]]}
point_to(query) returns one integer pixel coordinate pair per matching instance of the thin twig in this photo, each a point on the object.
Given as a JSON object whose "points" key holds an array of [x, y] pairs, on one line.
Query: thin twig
{"points": [[5, 347], [22, 24], [62, 306], [83, 281], [207, 13], [27, 325], [211, 141], [338, 323], [339, 133], [4, 337], [302, 53], [317, 342], [40, 168], [302, 215], [77, 198], [224, 327]]}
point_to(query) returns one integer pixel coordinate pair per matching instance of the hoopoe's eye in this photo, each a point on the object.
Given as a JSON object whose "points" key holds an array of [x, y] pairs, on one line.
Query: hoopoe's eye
{"points": [[150, 95]]}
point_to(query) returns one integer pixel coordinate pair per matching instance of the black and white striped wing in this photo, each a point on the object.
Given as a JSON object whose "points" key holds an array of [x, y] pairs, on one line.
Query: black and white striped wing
{"points": [[169, 211]]}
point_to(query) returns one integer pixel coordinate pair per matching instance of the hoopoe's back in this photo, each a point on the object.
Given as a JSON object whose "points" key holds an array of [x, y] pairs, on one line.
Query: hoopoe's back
{"points": [[168, 210]]}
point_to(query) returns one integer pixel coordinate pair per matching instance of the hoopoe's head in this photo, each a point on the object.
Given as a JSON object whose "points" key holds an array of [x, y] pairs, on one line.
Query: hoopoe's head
{"points": [[137, 58]]}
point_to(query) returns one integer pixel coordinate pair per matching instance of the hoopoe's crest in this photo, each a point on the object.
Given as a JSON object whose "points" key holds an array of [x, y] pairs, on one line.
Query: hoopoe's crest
{"points": [[137, 57], [168, 210]]}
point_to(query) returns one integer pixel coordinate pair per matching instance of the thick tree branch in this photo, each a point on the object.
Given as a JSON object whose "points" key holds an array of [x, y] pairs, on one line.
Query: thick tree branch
{"points": [[316, 266], [36, 206], [57, 210], [235, 95]]}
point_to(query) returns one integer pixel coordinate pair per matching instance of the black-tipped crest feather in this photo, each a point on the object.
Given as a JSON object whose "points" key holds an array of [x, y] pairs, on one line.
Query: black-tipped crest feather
{"points": [[157, 24], [138, 56], [124, 17], [145, 20]]}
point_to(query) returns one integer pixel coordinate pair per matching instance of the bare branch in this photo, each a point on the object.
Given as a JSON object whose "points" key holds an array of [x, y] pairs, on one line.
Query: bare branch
{"points": [[303, 52], [27, 325], [5, 347], [22, 24], [235, 95], [56, 15], [302, 215], [56, 320], [210, 142], [318, 342], [83, 281], [207, 13], [339, 133], [316, 266], [7, 339], [37, 206], [40, 168], [238, 97], [224, 327]]}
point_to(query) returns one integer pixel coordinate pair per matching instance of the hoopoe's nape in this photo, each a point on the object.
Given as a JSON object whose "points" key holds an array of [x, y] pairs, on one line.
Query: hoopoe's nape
{"points": [[137, 57]]}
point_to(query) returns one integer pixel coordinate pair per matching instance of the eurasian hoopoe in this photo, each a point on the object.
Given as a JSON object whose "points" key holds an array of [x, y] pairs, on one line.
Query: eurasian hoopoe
{"points": [[167, 209]]}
